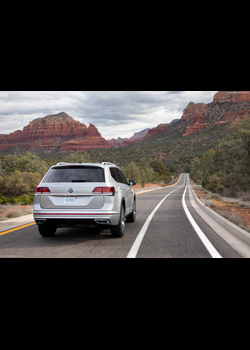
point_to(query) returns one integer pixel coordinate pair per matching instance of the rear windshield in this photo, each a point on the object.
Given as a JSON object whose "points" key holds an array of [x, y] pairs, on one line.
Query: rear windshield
{"points": [[75, 174]]}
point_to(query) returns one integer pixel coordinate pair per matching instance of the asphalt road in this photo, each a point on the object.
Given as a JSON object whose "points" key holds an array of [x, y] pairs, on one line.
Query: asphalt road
{"points": [[169, 234]]}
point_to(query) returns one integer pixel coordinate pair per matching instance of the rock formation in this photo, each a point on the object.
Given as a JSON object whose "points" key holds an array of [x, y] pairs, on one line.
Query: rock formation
{"points": [[58, 132], [232, 96], [156, 131], [226, 107], [195, 110]]}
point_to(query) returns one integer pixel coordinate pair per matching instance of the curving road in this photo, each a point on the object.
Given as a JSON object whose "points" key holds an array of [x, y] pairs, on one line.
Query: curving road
{"points": [[167, 226]]}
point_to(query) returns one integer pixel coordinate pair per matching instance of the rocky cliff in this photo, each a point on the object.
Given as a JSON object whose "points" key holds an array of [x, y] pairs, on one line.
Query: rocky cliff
{"points": [[162, 128], [232, 96], [58, 132], [226, 107]]}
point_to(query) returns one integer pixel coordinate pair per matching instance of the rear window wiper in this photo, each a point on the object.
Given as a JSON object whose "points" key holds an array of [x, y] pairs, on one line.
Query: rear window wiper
{"points": [[81, 180]]}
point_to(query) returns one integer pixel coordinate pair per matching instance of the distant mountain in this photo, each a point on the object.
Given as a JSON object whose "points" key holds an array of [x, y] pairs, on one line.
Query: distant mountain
{"points": [[126, 141], [141, 135], [54, 133], [226, 107]]}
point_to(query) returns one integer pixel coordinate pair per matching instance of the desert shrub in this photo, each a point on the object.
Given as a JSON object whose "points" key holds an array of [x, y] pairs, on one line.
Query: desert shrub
{"points": [[3, 199], [17, 183], [13, 213], [226, 170], [209, 204], [216, 183]]}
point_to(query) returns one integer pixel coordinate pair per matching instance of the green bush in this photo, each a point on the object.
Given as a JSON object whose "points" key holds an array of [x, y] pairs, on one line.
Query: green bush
{"points": [[3, 199], [226, 169], [216, 183]]}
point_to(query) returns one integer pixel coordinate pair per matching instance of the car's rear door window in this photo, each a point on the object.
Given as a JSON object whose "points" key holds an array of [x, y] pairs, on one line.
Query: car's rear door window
{"points": [[118, 175]]}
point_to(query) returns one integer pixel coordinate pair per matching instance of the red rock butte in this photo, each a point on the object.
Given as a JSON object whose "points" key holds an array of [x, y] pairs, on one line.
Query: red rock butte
{"points": [[226, 107], [58, 132], [232, 96]]}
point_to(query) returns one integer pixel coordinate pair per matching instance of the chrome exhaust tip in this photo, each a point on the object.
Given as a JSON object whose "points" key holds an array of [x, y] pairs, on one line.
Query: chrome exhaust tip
{"points": [[40, 221], [102, 221]]}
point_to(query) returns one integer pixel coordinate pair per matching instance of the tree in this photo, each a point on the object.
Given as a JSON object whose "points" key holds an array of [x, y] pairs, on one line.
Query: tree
{"points": [[145, 172], [205, 180], [77, 157], [132, 172], [172, 169], [228, 167], [27, 162], [17, 183], [159, 167]]}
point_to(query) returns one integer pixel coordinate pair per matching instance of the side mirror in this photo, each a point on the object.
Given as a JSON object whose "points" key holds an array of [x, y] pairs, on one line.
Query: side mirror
{"points": [[132, 182]]}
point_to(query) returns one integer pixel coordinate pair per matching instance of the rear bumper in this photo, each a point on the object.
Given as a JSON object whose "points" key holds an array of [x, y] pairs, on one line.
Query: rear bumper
{"points": [[76, 219]]}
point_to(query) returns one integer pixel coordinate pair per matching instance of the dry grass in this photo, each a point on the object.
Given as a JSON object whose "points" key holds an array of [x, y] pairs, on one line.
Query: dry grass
{"points": [[234, 209], [9, 211], [234, 218], [209, 204]]}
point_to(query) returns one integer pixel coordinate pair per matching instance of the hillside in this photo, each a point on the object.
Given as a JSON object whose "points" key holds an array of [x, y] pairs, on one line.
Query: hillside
{"points": [[172, 150]]}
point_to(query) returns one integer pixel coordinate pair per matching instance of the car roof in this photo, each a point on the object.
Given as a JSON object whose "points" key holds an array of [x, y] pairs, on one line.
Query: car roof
{"points": [[85, 164]]}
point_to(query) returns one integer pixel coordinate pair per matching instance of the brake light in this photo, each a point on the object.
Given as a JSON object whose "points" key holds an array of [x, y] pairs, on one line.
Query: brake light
{"points": [[109, 190], [42, 190], [103, 190]]}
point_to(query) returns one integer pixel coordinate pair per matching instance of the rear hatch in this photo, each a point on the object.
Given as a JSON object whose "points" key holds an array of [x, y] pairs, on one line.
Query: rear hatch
{"points": [[71, 187]]}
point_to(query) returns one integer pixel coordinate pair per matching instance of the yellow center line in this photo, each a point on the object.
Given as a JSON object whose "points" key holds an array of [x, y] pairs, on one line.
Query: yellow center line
{"points": [[15, 229]]}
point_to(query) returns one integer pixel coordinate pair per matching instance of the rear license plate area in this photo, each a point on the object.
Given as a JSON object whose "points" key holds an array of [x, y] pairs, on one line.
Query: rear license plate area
{"points": [[71, 200]]}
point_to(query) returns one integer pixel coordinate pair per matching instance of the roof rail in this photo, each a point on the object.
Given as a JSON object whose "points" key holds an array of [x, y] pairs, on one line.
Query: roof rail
{"points": [[107, 163], [62, 163]]}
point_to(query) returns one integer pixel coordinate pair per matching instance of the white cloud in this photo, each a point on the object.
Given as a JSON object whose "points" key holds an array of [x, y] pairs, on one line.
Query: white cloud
{"points": [[115, 113]]}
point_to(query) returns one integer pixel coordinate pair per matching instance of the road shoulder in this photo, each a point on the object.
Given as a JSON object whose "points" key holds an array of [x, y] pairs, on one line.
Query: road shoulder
{"points": [[242, 247], [16, 222]]}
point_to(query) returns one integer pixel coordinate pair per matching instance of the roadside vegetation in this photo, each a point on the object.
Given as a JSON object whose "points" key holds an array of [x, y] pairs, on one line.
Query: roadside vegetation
{"points": [[222, 175], [9, 211], [226, 170], [236, 210], [20, 174]]}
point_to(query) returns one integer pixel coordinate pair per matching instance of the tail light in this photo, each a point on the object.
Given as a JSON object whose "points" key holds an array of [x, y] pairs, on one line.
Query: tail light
{"points": [[103, 190], [42, 190]]}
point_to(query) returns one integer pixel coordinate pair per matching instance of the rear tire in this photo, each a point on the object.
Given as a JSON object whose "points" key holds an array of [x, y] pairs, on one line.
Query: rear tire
{"points": [[118, 230], [46, 230], [132, 216]]}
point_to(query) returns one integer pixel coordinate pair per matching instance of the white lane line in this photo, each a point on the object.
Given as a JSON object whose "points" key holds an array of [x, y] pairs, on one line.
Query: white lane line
{"points": [[137, 243], [212, 251]]}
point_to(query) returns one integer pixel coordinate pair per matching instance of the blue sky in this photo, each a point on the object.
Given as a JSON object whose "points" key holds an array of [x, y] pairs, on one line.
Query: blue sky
{"points": [[114, 113]]}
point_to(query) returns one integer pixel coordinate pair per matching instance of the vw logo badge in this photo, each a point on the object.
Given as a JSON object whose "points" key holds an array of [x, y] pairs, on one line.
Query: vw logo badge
{"points": [[70, 190]]}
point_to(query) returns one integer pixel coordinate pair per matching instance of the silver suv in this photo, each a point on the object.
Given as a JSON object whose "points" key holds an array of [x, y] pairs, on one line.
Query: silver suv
{"points": [[84, 194]]}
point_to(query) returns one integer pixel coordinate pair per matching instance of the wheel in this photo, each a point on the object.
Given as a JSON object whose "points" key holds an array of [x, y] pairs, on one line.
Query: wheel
{"points": [[47, 230], [132, 216], [118, 230]]}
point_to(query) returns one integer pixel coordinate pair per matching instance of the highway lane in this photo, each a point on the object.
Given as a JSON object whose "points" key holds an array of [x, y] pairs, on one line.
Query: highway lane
{"points": [[169, 234]]}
